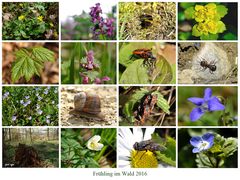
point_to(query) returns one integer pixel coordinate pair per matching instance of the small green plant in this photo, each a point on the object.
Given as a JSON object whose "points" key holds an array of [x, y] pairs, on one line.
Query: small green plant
{"points": [[25, 20], [30, 106], [208, 20], [88, 148], [29, 61]]}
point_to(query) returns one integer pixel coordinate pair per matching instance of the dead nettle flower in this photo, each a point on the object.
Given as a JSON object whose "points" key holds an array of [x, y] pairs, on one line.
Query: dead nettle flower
{"points": [[101, 26], [89, 67]]}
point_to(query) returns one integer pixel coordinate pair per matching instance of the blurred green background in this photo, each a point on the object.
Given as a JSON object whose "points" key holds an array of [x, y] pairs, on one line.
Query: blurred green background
{"points": [[186, 159], [229, 94]]}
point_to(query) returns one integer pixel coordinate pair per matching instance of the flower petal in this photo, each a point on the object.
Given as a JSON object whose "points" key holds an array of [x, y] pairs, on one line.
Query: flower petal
{"points": [[148, 133], [197, 101], [208, 137], [215, 105], [195, 141], [195, 150], [207, 94], [196, 114], [137, 134]]}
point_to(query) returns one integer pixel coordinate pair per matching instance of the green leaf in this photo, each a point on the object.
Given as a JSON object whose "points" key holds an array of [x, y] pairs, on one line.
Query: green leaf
{"points": [[221, 11], [23, 66], [128, 107], [162, 103], [29, 62], [195, 31], [168, 154], [189, 13], [220, 27], [43, 54], [162, 73], [135, 74], [230, 36], [209, 37]]}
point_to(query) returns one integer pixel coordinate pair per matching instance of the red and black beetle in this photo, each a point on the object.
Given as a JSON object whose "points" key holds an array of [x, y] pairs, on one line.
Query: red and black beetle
{"points": [[146, 54]]}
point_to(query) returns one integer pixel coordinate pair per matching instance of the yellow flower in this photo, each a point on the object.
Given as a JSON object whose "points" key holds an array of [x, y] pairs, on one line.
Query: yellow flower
{"points": [[143, 159], [21, 4], [21, 18], [40, 18], [205, 13], [51, 24]]}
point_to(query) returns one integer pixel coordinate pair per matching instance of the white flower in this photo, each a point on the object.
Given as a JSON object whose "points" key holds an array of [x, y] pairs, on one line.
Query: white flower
{"points": [[93, 144], [127, 156]]}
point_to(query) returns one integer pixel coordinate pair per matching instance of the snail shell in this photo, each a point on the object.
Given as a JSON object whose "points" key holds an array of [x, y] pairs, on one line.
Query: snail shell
{"points": [[87, 103]]}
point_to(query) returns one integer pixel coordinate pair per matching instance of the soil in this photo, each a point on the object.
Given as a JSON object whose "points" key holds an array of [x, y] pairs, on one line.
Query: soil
{"points": [[108, 106], [187, 51]]}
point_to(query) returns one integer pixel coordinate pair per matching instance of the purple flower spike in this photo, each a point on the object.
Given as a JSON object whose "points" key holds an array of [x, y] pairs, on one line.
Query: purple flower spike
{"points": [[207, 103], [202, 143]]}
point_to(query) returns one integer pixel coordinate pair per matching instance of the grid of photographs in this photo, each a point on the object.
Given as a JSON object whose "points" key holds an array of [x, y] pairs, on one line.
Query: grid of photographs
{"points": [[118, 84]]}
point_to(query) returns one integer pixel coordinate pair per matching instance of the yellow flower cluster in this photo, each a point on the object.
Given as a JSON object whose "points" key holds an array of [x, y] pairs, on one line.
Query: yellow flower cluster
{"points": [[21, 18], [208, 20], [40, 18]]}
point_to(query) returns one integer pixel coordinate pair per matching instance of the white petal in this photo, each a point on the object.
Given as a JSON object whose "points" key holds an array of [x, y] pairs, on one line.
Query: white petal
{"points": [[148, 133], [137, 134], [125, 143], [124, 158], [123, 163], [98, 147], [95, 138]]}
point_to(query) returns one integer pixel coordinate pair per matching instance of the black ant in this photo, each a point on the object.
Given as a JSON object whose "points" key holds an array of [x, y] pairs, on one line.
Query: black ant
{"points": [[205, 64]]}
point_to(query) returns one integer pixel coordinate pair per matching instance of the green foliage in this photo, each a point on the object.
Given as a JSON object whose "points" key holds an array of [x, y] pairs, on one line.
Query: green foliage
{"points": [[30, 61], [215, 156], [26, 104], [30, 21], [75, 153], [136, 98], [134, 72], [168, 155]]}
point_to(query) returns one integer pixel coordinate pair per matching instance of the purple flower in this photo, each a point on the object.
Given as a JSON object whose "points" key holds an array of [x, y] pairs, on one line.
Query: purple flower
{"points": [[95, 13], [109, 26], [14, 118], [39, 111], [106, 78], [85, 80], [202, 143], [5, 95], [207, 103], [47, 121], [98, 81], [26, 97]]}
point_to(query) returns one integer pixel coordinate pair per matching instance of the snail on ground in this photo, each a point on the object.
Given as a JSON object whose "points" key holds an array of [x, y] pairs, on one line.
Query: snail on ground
{"points": [[88, 105]]}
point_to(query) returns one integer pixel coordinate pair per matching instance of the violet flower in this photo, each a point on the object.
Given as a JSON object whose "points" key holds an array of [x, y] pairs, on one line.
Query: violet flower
{"points": [[208, 103]]}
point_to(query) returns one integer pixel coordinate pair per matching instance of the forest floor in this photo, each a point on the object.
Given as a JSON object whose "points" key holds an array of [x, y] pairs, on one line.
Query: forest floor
{"points": [[108, 106], [47, 151]]}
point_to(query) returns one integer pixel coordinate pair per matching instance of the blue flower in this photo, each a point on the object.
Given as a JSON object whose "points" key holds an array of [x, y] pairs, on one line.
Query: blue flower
{"points": [[14, 118], [207, 103], [5, 95], [202, 143]]}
